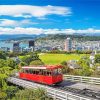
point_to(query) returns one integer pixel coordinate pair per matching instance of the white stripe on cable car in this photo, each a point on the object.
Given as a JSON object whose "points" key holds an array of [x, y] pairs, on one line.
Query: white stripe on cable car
{"points": [[34, 67]]}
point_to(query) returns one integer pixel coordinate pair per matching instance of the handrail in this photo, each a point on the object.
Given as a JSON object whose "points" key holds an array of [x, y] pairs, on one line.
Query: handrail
{"points": [[83, 79], [55, 93]]}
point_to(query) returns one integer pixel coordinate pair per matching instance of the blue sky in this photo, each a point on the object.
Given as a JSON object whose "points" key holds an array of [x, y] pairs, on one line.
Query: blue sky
{"points": [[49, 16]]}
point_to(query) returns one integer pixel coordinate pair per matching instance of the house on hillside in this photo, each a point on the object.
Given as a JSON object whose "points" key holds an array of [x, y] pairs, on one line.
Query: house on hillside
{"points": [[73, 64]]}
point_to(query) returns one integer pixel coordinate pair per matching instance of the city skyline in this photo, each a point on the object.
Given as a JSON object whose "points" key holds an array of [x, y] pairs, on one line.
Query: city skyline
{"points": [[49, 17]]}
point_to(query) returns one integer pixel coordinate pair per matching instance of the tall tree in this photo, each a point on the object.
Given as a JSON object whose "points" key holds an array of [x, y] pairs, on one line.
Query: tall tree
{"points": [[85, 67]]}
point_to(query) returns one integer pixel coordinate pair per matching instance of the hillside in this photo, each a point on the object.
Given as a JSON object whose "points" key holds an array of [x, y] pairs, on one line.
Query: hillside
{"points": [[73, 37]]}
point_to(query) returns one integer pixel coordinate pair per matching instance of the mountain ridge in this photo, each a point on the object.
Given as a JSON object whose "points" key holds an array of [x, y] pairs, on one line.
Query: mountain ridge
{"points": [[19, 36], [34, 36]]}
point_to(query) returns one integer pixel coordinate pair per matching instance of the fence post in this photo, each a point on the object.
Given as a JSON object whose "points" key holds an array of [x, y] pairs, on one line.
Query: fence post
{"points": [[81, 78], [66, 96], [54, 95], [72, 78]]}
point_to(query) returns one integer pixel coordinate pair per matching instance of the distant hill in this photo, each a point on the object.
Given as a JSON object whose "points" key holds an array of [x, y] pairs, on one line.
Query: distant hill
{"points": [[19, 37], [88, 34], [73, 37]]}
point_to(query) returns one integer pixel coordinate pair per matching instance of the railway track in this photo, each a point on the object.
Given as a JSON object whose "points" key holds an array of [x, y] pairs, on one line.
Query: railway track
{"points": [[84, 92], [95, 95]]}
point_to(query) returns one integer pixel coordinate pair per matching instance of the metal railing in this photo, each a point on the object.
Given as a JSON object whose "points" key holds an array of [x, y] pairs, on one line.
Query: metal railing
{"points": [[53, 92], [83, 79]]}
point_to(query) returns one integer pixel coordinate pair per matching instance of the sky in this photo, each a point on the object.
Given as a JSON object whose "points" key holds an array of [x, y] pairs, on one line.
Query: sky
{"points": [[49, 16]]}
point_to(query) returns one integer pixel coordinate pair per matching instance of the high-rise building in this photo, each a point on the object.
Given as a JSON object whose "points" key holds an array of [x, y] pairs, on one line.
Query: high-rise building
{"points": [[32, 45], [16, 47], [68, 45]]}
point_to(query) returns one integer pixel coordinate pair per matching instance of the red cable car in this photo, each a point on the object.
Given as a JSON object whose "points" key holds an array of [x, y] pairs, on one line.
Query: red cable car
{"points": [[43, 74]]}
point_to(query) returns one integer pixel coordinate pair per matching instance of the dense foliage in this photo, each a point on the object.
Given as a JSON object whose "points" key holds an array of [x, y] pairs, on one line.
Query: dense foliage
{"points": [[97, 58], [35, 94], [85, 69], [9, 92], [31, 59]]}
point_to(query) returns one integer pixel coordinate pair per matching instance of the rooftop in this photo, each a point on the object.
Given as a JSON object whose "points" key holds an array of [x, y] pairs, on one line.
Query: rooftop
{"points": [[48, 67]]}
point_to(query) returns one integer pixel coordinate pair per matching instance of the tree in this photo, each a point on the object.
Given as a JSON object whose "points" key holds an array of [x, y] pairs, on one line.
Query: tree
{"points": [[6, 67], [2, 63], [10, 91], [4, 73], [3, 95], [97, 58], [26, 59], [2, 55], [34, 56], [65, 68], [85, 70], [37, 62], [22, 64], [2, 80], [28, 94], [11, 63], [29, 58]]}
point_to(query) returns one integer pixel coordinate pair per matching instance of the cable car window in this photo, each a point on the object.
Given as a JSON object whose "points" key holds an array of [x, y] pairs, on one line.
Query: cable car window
{"points": [[55, 72], [40, 72], [34, 72], [45, 72], [49, 73], [27, 71], [37, 72], [30, 71]]}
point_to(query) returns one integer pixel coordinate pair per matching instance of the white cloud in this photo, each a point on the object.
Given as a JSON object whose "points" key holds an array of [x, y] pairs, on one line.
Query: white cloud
{"points": [[19, 30], [6, 22], [14, 23], [35, 11], [89, 30]]}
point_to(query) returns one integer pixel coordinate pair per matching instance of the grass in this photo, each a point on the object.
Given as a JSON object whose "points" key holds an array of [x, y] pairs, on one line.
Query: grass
{"points": [[58, 58], [21, 57]]}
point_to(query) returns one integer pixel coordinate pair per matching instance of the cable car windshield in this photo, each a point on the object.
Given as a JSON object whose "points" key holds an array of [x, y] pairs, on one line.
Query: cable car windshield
{"points": [[57, 71]]}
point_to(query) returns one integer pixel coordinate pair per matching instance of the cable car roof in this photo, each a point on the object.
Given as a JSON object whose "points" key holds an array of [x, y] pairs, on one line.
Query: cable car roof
{"points": [[48, 67]]}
